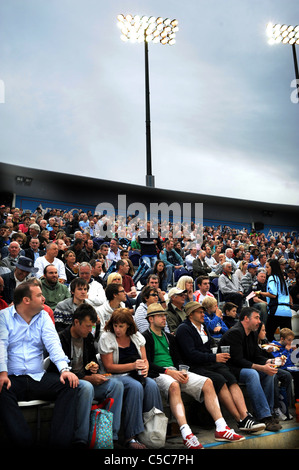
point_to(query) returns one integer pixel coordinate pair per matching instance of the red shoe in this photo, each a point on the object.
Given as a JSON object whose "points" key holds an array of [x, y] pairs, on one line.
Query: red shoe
{"points": [[192, 442], [228, 435]]}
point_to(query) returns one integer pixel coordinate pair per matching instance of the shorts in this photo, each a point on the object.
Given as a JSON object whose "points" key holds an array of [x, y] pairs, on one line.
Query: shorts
{"points": [[193, 387], [219, 373]]}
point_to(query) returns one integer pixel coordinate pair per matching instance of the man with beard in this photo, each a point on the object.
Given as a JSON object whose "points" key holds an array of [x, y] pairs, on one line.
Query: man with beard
{"points": [[52, 289]]}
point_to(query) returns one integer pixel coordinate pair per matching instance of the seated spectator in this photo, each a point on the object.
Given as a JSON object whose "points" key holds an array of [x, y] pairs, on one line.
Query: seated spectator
{"points": [[203, 284], [186, 283], [251, 367], [175, 310], [34, 250], [3, 304], [171, 258], [104, 250], [115, 278], [217, 252], [84, 223], [24, 226], [229, 286], [53, 290], [229, 254], [123, 354], [116, 298], [153, 282], [213, 318], [77, 247], [195, 342], [190, 258], [122, 268], [230, 314], [259, 301], [78, 344], [4, 237], [96, 292], [23, 376], [161, 271], [262, 259], [283, 377], [97, 273], [285, 346], [149, 295], [200, 266], [294, 294], [210, 260], [13, 256], [248, 279], [87, 253], [164, 360], [33, 232], [71, 266], [24, 269], [50, 258], [114, 250], [64, 310], [241, 270]]}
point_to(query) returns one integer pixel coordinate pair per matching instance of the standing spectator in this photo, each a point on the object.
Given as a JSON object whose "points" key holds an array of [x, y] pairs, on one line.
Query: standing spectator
{"points": [[278, 298]]}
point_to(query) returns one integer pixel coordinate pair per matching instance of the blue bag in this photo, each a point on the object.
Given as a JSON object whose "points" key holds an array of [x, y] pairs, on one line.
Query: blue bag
{"points": [[100, 430]]}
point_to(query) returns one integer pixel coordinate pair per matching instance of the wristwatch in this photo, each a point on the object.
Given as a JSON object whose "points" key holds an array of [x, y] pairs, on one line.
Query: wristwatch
{"points": [[65, 369]]}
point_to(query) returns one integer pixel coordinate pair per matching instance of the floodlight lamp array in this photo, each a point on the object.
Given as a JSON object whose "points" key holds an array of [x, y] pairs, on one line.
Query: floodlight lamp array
{"points": [[150, 29], [282, 33]]}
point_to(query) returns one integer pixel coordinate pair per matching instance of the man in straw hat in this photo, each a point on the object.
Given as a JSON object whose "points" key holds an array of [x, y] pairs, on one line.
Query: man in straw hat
{"points": [[194, 342], [164, 366]]}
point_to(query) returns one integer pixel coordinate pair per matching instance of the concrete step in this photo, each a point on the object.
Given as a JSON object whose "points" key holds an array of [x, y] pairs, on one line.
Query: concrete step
{"points": [[286, 438]]}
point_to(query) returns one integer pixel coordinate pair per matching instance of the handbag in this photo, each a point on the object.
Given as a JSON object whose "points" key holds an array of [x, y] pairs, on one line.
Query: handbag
{"points": [[100, 429], [155, 428]]}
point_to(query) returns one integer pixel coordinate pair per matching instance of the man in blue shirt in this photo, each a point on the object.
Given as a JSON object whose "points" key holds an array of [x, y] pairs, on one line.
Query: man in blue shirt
{"points": [[25, 331]]}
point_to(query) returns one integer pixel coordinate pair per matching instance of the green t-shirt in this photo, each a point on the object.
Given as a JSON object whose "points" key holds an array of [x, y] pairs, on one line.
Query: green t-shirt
{"points": [[162, 357]]}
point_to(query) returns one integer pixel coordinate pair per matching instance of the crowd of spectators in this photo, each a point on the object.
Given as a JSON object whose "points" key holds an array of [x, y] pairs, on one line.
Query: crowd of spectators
{"points": [[217, 270]]}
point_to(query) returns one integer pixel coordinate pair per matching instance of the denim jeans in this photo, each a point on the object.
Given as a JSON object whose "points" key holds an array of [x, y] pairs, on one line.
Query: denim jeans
{"points": [[24, 388], [87, 392], [149, 260], [260, 387], [138, 400]]}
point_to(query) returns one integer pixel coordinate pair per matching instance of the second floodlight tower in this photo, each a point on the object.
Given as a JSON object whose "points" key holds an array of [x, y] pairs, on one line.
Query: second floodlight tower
{"points": [[147, 29]]}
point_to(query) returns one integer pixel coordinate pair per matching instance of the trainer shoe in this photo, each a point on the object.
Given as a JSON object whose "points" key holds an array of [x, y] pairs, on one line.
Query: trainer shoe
{"points": [[191, 442], [279, 415], [271, 425], [250, 425], [228, 435]]}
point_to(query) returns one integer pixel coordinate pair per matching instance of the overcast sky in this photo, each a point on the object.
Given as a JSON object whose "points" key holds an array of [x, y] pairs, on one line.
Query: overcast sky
{"points": [[222, 119]]}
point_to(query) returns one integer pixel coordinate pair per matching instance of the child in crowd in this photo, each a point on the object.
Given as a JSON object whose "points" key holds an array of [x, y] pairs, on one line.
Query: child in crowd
{"points": [[213, 318], [230, 314], [283, 378], [285, 347]]}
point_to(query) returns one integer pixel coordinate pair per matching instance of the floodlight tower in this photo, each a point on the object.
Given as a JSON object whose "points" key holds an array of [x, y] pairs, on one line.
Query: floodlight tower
{"points": [[285, 34], [147, 29]]}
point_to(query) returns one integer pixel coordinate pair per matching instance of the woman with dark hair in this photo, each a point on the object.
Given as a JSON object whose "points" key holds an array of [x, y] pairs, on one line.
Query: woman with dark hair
{"points": [[278, 298], [123, 354], [160, 270]]}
